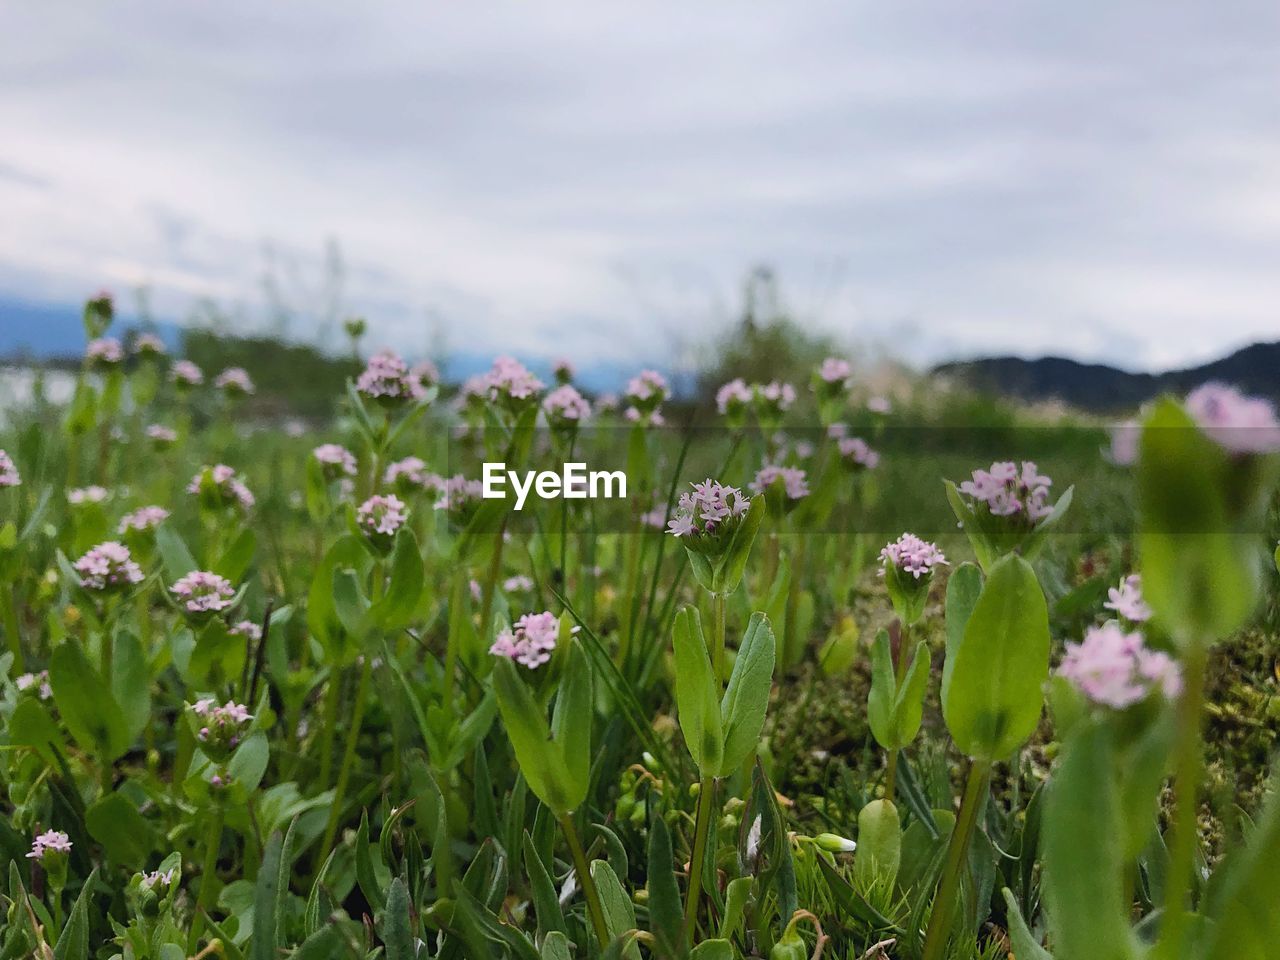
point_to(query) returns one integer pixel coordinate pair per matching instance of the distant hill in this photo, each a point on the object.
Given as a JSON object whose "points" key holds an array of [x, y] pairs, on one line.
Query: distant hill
{"points": [[1255, 369]]}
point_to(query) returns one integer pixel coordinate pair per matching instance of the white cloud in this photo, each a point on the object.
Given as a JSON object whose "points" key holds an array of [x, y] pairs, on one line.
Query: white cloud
{"points": [[1098, 184]]}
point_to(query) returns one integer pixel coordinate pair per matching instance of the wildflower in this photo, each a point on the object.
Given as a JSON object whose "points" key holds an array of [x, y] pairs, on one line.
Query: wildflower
{"points": [[100, 309], [1114, 668], [202, 592], [158, 881], [1124, 443], [563, 370], [247, 629], [1127, 601], [834, 843], [645, 393], [9, 476], [148, 345], [104, 352], [219, 486], [636, 415], [565, 407], [381, 515], [771, 401], [37, 682], [161, 437], [510, 382], [733, 397], [855, 453], [907, 565], [607, 402], [426, 373], [835, 370], [386, 379], [460, 497], [704, 517], [517, 584], [234, 381], [80, 496], [656, 518], [792, 481], [108, 567], [879, 404], [335, 461], [1237, 423], [1010, 491], [837, 431], [51, 841], [530, 642], [143, 519], [220, 729], [186, 374]]}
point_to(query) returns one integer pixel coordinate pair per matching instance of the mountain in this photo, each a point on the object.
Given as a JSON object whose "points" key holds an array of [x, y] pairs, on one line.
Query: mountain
{"points": [[1255, 369], [45, 331]]}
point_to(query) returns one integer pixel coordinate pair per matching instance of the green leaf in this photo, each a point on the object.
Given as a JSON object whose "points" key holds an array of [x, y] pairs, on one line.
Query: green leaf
{"points": [[571, 723], [546, 904], [992, 695], [879, 850], [1083, 869], [734, 563], [666, 921], [540, 759], [1025, 945], [124, 833], [350, 604], [712, 950], [238, 557], [131, 683], [395, 923], [174, 555], [619, 912], [895, 714], [31, 725], [736, 895], [73, 942], [395, 610], [1246, 923], [86, 704], [556, 946], [264, 902], [697, 694], [746, 699], [964, 586], [322, 617]]}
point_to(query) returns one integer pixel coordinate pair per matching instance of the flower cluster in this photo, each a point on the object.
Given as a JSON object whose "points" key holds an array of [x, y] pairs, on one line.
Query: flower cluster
{"points": [[1115, 668], [562, 370], [51, 841], [247, 629], [912, 555], [530, 642], [234, 381], [1127, 601], [792, 480], [184, 373], [879, 405], [158, 880], [517, 584], [706, 511], [107, 567], [219, 486], [1237, 423], [733, 399], [9, 476], [143, 519], [835, 370], [220, 728], [426, 373], [460, 495], [37, 682], [148, 345], [566, 407], [855, 453], [335, 460], [772, 400], [1010, 491], [104, 352], [203, 592], [382, 515], [387, 379], [644, 395], [508, 380], [80, 496], [161, 437]]}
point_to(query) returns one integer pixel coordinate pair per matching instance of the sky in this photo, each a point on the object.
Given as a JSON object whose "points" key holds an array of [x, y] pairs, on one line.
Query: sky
{"points": [[927, 179]]}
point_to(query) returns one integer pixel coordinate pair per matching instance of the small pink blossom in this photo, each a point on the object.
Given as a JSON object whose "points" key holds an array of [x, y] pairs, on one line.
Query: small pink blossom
{"points": [[648, 388], [912, 555], [733, 397], [510, 380], [836, 371], [148, 345], [855, 452], [707, 509], [161, 436], [565, 406], [382, 515], [425, 372], [1114, 668], [104, 352], [879, 404], [79, 496], [220, 486], [9, 476], [186, 374], [203, 592], [39, 682], [795, 483], [1127, 601], [517, 584], [336, 460], [247, 629], [51, 841], [530, 642], [143, 519], [1009, 490], [387, 378], [1237, 423], [235, 381], [563, 370], [108, 566], [220, 728]]}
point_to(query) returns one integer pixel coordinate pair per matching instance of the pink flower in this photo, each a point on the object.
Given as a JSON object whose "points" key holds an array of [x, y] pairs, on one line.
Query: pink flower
{"points": [[508, 379], [880, 405], [856, 453], [221, 728], [219, 486], [79, 496], [234, 380], [108, 566], [382, 516], [775, 395], [734, 397], [795, 483], [517, 584], [1115, 669], [336, 460], [51, 841], [1237, 423], [835, 370], [563, 370], [1010, 491], [565, 406], [143, 519], [1127, 601], [148, 345], [425, 372], [386, 378], [460, 495], [705, 511], [161, 436], [204, 592], [247, 629], [647, 388], [186, 374], [912, 555], [104, 352], [409, 473], [9, 476], [39, 682], [530, 642], [1124, 443]]}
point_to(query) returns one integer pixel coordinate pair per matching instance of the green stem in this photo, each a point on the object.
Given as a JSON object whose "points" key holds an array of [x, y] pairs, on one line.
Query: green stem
{"points": [[348, 756], [491, 585], [332, 702], [706, 793], [944, 902], [899, 675], [718, 639], [584, 880], [1188, 772], [890, 774], [213, 840], [9, 610]]}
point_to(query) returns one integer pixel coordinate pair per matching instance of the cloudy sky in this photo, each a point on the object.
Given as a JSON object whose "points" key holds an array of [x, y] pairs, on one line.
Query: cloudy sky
{"points": [[938, 179]]}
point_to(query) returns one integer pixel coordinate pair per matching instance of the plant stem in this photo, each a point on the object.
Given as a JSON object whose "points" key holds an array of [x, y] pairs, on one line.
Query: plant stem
{"points": [[348, 755], [1188, 772], [584, 879], [491, 586], [944, 901], [718, 640], [208, 869], [332, 698], [706, 792], [899, 674]]}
